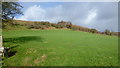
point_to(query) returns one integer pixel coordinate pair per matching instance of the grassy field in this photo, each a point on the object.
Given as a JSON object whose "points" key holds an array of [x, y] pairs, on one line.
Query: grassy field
{"points": [[60, 48]]}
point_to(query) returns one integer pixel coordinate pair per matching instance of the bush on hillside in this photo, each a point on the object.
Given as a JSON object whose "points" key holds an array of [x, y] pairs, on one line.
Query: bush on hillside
{"points": [[64, 24], [107, 32], [74, 27], [93, 31]]}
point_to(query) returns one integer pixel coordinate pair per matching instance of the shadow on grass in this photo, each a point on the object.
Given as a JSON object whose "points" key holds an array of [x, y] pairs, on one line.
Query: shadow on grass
{"points": [[23, 39], [11, 51]]}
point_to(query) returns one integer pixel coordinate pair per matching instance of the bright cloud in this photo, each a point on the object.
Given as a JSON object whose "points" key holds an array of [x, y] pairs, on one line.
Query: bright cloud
{"points": [[92, 15], [33, 13]]}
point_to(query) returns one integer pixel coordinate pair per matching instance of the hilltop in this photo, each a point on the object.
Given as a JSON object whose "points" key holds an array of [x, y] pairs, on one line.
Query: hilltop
{"points": [[20, 24]]}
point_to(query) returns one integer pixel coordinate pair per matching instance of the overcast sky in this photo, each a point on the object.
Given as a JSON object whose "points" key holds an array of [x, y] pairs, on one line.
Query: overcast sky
{"points": [[98, 15]]}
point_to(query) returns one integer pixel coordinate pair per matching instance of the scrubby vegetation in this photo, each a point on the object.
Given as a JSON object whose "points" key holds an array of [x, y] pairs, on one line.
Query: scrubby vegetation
{"points": [[48, 25]]}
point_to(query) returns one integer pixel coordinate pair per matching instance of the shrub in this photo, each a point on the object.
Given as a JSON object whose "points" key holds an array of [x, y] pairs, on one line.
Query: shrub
{"points": [[64, 24], [33, 27], [53, 25], [74, 27], [107, 32], [93, 31]]}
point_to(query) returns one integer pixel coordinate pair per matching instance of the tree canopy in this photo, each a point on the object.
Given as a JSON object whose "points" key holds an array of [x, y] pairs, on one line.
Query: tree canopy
{"points": [[10, 9]]}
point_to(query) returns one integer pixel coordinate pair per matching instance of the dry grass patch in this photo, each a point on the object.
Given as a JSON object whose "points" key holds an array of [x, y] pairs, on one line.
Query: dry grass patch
{"points": [[41, 59], [26, 61], [31, 50]]}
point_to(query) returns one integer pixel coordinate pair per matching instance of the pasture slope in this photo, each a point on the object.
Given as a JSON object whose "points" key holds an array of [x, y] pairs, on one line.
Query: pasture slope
{"points": [[60, 48]]}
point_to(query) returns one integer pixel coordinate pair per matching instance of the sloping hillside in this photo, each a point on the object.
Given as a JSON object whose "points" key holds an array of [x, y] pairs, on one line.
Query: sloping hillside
{"points": [[59, 48]]}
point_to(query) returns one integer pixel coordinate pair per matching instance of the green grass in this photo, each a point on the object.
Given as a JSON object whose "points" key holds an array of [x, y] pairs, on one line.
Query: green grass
{"points": [[60, 48]]}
